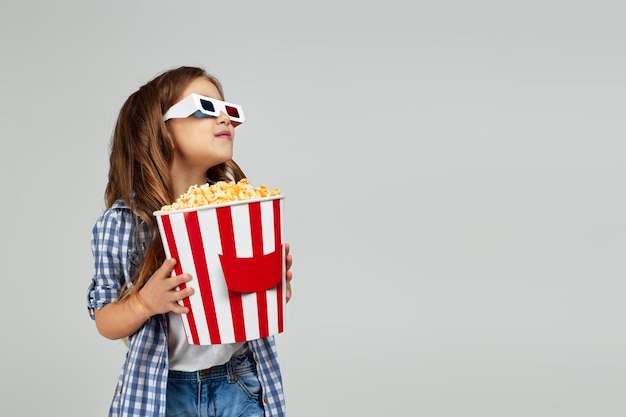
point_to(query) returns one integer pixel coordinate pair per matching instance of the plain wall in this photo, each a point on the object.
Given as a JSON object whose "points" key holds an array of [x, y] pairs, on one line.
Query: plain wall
{"points": [[454, 174]]}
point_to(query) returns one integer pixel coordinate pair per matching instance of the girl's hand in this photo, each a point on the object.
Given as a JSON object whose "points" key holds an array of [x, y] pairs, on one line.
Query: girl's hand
{"points": [[288, 274], [160, 295], [120, 319]]}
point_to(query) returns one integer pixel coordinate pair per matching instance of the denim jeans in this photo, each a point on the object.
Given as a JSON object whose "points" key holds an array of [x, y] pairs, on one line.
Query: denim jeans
{"points": [[229, 390]]}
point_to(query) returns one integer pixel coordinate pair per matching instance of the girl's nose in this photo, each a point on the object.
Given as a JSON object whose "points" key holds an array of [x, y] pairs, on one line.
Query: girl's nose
{"points": [[223, 118]]}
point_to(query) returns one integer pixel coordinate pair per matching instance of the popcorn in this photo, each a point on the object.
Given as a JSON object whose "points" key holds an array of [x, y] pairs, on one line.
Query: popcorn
{"points": [[218, 193]]}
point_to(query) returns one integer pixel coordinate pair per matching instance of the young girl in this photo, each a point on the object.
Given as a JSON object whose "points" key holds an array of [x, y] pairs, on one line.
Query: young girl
{"points": [[133, 296]]}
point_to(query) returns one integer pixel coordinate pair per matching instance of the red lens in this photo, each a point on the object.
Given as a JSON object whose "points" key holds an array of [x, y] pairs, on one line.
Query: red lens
{"points": [[232, 111]]}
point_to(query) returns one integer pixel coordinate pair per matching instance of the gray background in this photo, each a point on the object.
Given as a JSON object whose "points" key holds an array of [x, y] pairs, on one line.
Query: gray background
{"points": [[455, 194]]}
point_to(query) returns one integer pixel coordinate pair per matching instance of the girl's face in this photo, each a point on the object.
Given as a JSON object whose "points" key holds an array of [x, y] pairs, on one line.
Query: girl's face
{"points": [[201, 143]]}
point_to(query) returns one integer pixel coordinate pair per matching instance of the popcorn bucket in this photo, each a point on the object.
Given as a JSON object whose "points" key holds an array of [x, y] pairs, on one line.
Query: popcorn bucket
{"points": [[234, 253]]}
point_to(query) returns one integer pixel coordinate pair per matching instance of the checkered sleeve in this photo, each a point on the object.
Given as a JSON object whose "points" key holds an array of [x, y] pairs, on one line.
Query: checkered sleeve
{"points": [[112, 236]]}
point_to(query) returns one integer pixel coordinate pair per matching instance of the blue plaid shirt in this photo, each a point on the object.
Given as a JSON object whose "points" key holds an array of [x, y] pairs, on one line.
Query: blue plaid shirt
{"points": [[118, 246]]}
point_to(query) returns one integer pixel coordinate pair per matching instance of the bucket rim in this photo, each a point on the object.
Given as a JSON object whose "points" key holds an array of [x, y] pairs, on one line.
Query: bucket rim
{"points": [[214, 206]]}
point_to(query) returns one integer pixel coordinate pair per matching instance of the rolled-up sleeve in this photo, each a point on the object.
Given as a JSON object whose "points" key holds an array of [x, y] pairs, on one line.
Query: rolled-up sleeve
{"points": [[109, 245]]}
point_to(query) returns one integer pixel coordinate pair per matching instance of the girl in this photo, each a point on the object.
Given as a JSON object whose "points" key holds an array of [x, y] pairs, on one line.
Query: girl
{"points": [[132, 294]]}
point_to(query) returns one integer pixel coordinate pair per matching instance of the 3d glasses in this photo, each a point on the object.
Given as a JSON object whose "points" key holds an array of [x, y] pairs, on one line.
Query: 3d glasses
{"points": [[201, 106]]}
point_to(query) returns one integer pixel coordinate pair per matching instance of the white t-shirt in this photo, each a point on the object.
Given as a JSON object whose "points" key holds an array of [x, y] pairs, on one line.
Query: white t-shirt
{"points": [[186, 357]]}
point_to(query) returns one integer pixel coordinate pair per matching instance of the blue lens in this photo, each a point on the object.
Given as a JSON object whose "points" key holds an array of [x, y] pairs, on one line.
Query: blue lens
{"points": [[207, 105]]}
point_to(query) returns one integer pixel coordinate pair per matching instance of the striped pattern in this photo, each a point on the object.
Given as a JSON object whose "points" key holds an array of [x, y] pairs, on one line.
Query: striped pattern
{"points": [[236, 258]]}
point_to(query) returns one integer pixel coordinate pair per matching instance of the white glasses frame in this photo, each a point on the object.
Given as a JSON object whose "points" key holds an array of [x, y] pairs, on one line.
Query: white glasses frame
{"points": [[196, 105]]}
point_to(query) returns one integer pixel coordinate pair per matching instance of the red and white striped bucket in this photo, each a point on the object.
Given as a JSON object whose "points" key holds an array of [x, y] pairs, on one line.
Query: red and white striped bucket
{"points": [[235, 255]]}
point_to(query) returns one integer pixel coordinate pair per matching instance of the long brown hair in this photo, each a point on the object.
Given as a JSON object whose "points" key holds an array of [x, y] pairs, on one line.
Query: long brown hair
{"points": [[141, 157]]}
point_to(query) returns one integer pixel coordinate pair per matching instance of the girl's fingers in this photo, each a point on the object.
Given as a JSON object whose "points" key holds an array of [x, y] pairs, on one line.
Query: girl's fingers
{"points": [[178, 280], [288, 291], [183, 293], [178, 309], [166, 268]]}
